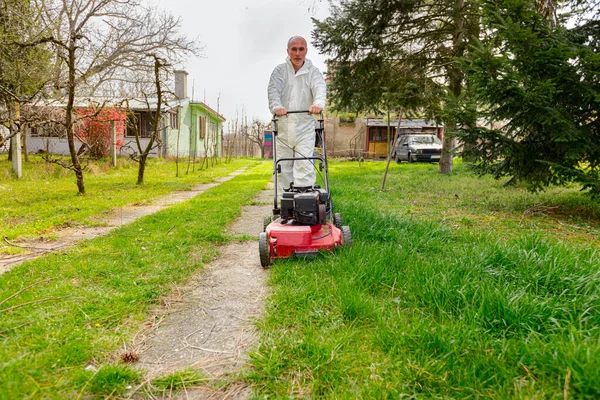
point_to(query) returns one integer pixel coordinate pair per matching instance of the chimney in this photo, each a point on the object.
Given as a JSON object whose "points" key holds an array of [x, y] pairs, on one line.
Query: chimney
{"points": [[181, 84]]}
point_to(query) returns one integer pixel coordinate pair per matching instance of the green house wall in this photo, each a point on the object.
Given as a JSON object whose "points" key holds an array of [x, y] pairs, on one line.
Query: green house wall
{"points": [[186, 140]]}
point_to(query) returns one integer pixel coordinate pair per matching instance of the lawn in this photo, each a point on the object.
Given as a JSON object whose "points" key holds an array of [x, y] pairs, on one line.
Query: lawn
{"points": [[64, 312], [454, 287], [46, 198]]}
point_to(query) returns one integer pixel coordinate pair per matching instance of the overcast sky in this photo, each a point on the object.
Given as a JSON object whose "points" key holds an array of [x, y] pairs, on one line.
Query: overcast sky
{"points": [[244, 40]]}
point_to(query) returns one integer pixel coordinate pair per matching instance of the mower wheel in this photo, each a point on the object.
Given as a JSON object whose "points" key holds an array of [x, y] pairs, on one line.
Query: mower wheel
{"points": [[263, 250], [266, 222], [346, 236], [337, 220]]}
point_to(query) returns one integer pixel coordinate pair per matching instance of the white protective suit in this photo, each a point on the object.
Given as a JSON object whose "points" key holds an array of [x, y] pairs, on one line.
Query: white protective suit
{"points": [[296, 91]]}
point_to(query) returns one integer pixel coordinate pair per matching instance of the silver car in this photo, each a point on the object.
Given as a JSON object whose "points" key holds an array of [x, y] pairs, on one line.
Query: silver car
{"points": [[417, 147]]}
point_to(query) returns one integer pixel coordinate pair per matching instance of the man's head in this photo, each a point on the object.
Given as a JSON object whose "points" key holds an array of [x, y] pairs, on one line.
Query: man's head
{"points": [[297, 50]]}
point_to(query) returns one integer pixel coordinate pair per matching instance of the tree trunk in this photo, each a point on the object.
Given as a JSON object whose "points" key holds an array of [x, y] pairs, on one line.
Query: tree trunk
{"points": [[446, 157], [455, 81], [155, 123], [69, 119], [141, 168], [24, 146]]}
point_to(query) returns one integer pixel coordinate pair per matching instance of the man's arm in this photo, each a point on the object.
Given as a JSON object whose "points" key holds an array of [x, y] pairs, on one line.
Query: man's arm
{"points": [[319, 89], [274, 92]]}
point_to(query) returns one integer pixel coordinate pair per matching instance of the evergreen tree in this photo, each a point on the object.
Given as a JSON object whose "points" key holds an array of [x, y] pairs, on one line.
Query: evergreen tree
{"points": [[379, 44], [540, 85]]}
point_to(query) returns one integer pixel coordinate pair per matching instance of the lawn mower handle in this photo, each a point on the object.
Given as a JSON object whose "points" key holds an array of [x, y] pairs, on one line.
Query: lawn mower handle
{"points": [[299, 112]]}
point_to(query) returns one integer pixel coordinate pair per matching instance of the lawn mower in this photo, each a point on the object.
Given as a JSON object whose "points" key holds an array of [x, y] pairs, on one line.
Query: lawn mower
{"points": [[304, 222]]}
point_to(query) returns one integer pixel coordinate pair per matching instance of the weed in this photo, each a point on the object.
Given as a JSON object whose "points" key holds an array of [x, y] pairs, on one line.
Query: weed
{"points": [[179, 380], [112, 380]]}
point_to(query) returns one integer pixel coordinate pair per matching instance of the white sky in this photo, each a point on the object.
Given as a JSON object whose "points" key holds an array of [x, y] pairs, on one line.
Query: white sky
{"points": [[244, 40]]}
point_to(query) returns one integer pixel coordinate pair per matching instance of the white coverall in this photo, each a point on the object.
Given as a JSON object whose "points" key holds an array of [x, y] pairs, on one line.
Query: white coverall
{"points": [[296, 91]]}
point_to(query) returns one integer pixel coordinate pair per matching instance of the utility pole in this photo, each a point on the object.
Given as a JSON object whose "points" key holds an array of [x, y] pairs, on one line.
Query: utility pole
{"points": [[15, 145]]}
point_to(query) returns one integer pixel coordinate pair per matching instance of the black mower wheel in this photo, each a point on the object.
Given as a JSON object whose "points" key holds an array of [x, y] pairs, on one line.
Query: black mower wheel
{"points": [[337, 220], [263, 250], [266, 222], [346, 236]]}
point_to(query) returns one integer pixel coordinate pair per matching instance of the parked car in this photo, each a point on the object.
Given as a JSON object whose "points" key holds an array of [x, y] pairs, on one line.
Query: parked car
{"points": [[417, 147]]}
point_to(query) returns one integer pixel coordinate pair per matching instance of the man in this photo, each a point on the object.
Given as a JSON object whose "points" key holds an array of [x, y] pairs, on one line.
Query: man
{"points": [[296, 85]]}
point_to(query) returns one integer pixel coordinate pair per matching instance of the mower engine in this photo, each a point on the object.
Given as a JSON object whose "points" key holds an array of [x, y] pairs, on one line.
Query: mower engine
{"points": [[306, 208]]}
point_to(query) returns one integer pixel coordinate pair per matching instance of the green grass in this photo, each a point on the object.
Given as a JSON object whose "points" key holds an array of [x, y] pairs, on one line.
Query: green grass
{"points": [[450, 290], [455, 287], [179, 379], [46, 197], [91, 299]]}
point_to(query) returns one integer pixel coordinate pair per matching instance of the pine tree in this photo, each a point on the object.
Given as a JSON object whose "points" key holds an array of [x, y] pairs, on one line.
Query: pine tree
{"points": [[379, 44], [540, 83]]}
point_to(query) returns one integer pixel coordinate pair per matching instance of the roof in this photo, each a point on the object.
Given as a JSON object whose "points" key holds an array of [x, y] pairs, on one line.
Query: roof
{"points": [[405, 123], [134, 104], [205, 106]]}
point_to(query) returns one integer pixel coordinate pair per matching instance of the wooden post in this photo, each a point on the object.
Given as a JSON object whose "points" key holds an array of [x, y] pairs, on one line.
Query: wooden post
{"points": [[389, 156], [24, 141], [113, 143], [15, 146]]}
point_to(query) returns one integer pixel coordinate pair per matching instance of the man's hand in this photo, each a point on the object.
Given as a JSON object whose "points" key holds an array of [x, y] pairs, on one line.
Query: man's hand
{"points": [[280, 112], [314, 109]]}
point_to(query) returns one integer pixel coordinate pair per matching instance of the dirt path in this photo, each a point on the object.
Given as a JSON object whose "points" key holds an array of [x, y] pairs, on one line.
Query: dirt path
{"points": [[209, 326], [114, 219]]}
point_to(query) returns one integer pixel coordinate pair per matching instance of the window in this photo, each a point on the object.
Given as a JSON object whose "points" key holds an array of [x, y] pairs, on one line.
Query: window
{"points": [[50, 129], [175, 119], [424, 139], [379, 133], [139, 122]]}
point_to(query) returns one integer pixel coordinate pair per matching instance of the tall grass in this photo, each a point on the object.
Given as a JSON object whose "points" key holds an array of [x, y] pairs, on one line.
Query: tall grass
{"points": [[445, 293]]}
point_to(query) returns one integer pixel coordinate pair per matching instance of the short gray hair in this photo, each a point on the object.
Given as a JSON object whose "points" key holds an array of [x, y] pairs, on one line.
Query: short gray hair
{"points": [[295, 38]]}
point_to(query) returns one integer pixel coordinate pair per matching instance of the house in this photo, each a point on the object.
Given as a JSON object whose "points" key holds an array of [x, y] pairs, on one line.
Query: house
{"points": [[367, 137], [187, 127], [194, 128]]}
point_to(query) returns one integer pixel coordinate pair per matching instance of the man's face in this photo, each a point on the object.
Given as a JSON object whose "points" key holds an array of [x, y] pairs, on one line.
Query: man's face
{"points": [[297, 52]]}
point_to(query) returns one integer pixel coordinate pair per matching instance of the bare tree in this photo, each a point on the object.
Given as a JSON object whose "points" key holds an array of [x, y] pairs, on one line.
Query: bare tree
{"points": [[154, 142], [243, 139], [256, 135], [95, 41], [229, 140]]}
